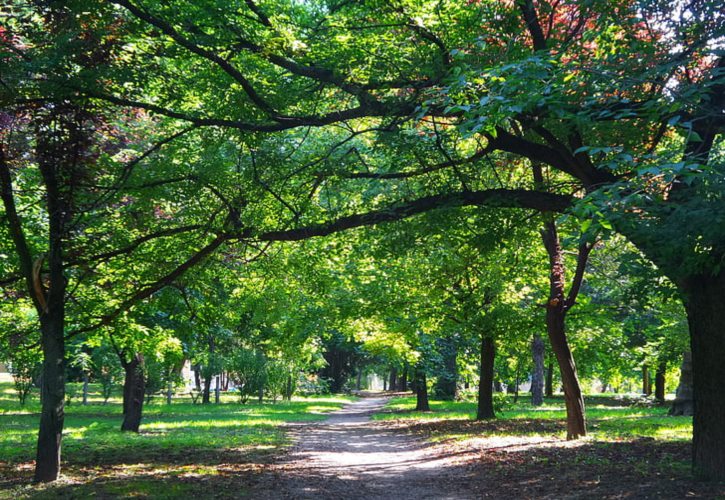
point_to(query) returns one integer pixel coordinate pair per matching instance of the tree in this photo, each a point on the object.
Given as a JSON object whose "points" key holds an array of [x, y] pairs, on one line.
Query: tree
{"points": [[622, 100]]}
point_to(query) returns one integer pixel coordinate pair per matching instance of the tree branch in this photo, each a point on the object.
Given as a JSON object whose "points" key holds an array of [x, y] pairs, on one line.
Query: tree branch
{"points": [[170, 31], [503, 198], [432, 168], [581, 265], [15, 226], [157, 285]]}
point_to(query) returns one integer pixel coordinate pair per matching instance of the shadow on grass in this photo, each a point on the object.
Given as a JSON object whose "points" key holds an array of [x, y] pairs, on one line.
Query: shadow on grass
{"points": [[481, 468]]}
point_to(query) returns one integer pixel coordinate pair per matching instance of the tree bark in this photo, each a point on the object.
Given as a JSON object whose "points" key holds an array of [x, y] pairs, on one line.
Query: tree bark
{"points": [[206, 395], [134, 387], [660, 382], [575, 415], [704, 300], [392, 383], [556, 309], [485, 380], [646, 381], [537, 375], [169, 391], [549, 386], [289, 388], [684, 400], [421, 390], [403, 379], [197, 378], [85, 389], [52, 413]]}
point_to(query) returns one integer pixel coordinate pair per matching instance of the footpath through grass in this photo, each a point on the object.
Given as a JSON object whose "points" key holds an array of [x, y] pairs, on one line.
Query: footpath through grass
{"points": [[180, 448]]}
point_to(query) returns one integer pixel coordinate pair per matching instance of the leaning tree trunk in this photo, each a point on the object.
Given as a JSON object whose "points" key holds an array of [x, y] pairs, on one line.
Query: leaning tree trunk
{"points": [[537, 375], [421, 390], [660, 383], [485, 381], [134, 387], [575, 416], [556, 308], [704, 302]]}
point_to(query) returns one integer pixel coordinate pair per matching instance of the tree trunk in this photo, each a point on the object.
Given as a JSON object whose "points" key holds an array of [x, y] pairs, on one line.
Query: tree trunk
{"points": [[169, 390], [447, 380], [575, 415], [216, 391], [206, 395], [537, 375], [393, 378], [85, 389], [289, 388], [197, 378], [134, 387], [549, 386], [684, 401], [47, 461], [660, 382], [646, 382], [403, 379], [556, 309], [421, 390], [485, 380], [704, 301]]}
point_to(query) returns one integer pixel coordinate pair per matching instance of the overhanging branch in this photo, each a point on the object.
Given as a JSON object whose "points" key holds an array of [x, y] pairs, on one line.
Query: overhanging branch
{"points": [[502, 198]]}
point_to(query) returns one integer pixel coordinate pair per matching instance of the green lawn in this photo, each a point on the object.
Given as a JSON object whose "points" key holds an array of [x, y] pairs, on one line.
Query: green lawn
{"points": [[181, 439], [608, 418]]}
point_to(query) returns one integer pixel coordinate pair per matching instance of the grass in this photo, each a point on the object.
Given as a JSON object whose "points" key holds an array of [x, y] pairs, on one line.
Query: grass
{"points": [[181, 440], [609, 419]]}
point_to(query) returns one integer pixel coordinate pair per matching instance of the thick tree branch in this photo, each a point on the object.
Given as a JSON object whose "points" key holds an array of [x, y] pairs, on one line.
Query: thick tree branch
{"points": [[285, 123], [259, 13], [15, 226], [581, 265], [539, 153], [532, 23], [503, 198]]}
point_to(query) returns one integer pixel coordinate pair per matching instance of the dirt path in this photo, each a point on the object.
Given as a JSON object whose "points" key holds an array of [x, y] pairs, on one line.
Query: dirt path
{"points": [[350, 456]]}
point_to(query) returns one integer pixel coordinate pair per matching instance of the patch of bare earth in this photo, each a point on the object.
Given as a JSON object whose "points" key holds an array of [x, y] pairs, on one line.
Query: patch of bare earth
{"points": [[350, 456]]}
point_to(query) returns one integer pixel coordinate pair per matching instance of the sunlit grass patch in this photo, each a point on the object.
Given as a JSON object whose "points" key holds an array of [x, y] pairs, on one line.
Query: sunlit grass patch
{"points": [[183, 440], [607, 421]]}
